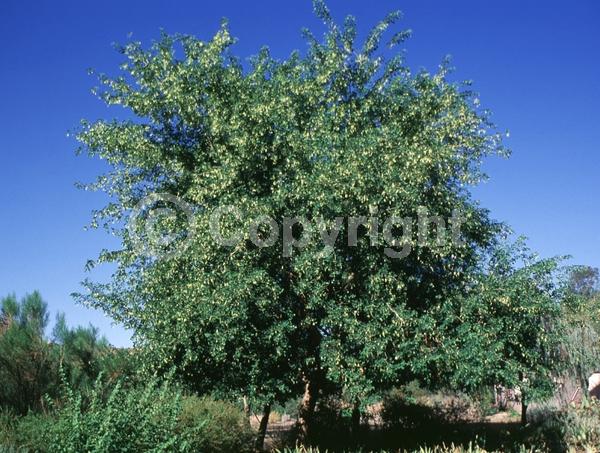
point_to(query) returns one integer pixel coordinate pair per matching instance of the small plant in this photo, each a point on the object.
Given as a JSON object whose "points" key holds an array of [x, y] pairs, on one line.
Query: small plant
{"points": [[513, 412]]}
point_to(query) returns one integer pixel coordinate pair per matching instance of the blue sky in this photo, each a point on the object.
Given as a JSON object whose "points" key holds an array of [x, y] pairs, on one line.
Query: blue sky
{"points": [[535, 65]]}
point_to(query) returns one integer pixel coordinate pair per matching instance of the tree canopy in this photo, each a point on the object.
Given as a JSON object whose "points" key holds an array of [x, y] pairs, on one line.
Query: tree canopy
{"points": [[336, 132]]}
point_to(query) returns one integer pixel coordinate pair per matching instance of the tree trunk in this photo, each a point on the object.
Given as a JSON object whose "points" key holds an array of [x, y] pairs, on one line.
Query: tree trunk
{"points": [[355, 423], [262, 429], [307, 410], [523, 400], [312, 378], [246, 406]]}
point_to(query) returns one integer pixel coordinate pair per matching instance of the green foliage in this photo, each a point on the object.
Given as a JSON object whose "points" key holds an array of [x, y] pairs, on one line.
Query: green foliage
{"points": [[581, 314], [400, 410], [24, 433], [290, 407], [152, 418], [335, 132], [415, 412], [26, 371], [83, 355], [7, 428], [580, 426], [331, 425], [572, 428], [30, 364], [34, 432], [137, 419], [507, 328], [215, 426]]}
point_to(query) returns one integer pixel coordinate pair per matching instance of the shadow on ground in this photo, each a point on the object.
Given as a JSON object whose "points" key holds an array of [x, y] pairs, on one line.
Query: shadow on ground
{"points": [[506, 436]]}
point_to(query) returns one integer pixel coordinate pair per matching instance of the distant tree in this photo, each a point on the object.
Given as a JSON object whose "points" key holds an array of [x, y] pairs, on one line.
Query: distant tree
{"points": [[26, 371], [336, 132], [83, 354], [32, 367], [581, 316], [584, 281]]}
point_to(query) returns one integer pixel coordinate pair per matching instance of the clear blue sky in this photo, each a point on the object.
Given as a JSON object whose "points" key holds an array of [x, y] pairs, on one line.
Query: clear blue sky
{"points": [[535, 65]]}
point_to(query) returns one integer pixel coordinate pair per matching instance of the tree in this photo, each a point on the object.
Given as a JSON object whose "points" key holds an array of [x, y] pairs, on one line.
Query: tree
{"points": [[581, 310], [507, 329], [82, 354], [584, 281], [335, 133], [26, 371], [32, 367]]}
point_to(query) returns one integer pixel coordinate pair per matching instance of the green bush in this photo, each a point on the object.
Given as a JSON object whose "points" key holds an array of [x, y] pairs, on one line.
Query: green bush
{"points": [[413, 418], [215, 426], [153, 418], [137, 419], [411, 407], [574, 428], [24, 433], [26, 367], [291, 407], [7, 429], [402, 410], [331, 425]]}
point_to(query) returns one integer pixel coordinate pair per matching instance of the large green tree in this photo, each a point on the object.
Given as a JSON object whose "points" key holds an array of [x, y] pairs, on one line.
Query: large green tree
{"points": [[338, 131]]}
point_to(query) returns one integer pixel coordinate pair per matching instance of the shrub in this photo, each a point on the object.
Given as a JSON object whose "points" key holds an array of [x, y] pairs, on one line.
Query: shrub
{"points": [[291, 407], [576, 427], [215, 426], [26, 368], [414, 417], [401, 410], [153, 418], [28, 433], [330, 427], [139, 419], [275, 417], [411, 407], [7, 429]]}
